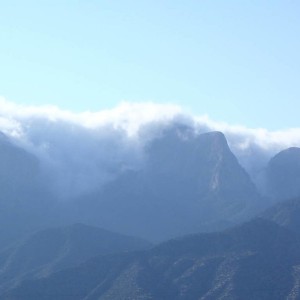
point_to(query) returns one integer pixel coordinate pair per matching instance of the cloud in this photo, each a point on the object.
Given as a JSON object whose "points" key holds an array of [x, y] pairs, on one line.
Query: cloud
{"points": [[81, 151]]}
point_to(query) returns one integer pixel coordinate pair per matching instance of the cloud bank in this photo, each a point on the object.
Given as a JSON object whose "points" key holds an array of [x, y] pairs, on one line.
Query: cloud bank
{"points": [[81, 151]]}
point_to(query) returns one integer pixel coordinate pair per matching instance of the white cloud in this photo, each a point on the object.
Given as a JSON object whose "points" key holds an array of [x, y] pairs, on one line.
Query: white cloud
{"points": [[88, 147]]}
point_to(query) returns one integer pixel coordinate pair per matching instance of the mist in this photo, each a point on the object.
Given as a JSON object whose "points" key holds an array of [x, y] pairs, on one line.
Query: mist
{"points": [[79, 152]]}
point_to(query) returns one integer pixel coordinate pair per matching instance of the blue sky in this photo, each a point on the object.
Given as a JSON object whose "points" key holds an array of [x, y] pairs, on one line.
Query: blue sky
{"points": [[237, 61]]}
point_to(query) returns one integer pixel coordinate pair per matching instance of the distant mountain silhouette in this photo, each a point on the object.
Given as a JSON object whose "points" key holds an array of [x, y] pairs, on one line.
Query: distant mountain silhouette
{"points": [[189, 183]]}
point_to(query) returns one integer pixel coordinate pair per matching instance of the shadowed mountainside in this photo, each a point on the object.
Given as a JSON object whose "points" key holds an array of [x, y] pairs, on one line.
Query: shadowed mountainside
{"points": [[24, 199], [286, 214], [50, 250], [283, 174], [258, 260], [189, 183]]}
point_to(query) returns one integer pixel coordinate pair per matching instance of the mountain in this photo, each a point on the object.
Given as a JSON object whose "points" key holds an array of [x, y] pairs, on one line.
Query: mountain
{"points": [[24, 199], [17, 167], [257, 260], [283, 174], [285, 213], [54, 249], [189, 183]]}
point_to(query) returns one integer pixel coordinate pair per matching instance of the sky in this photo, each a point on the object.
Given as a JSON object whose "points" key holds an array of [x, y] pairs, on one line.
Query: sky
{"points": [[235, 61]]}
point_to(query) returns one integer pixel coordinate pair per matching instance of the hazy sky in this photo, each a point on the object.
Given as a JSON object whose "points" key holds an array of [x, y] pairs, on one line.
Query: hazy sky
{"points": [[237, 61]]}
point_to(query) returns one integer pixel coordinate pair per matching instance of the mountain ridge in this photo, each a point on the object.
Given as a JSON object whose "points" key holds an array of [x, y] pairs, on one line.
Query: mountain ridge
{"points": [[283, 174], [50, 250], [222, 262], [188, 183]]}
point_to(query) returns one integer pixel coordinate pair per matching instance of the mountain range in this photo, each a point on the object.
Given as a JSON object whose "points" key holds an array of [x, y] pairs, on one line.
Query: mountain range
{"points": [[189, 183], [216, 235], [256, 260]]}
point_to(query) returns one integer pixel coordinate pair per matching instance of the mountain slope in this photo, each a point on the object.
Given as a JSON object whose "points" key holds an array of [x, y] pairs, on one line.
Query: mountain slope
{"points": [[189, 183], [286, 214], [258, 260], [283, 174], [24, 204], [17, 167], [50, 250]]}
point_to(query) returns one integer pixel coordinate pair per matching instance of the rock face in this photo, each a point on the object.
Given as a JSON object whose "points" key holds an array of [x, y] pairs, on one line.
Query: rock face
{"points": [[258, 260], [189, 183], [283, 174]]}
